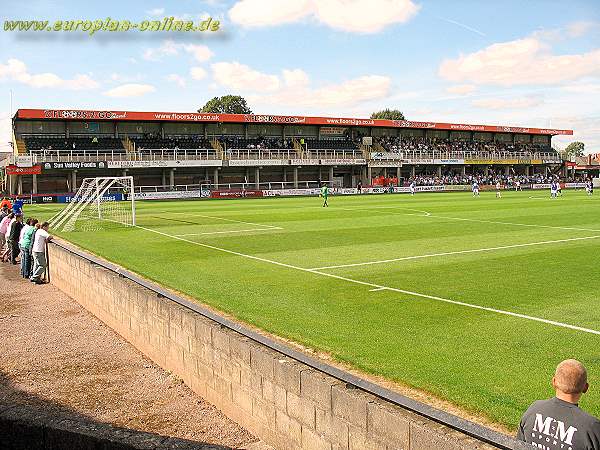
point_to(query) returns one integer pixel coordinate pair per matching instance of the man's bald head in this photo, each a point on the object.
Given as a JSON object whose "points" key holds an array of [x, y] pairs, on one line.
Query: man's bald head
{"points": [[571, 377]]}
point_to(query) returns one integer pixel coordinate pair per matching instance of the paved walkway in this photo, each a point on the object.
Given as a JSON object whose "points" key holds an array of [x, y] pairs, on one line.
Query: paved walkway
{"points": [[57, 357]]}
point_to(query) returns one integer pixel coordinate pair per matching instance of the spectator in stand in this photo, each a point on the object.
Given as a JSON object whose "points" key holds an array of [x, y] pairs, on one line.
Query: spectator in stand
{"points": [[38, 251], [5, 202], [25, 244], [14, 235], [559, 423], [4, 225]]}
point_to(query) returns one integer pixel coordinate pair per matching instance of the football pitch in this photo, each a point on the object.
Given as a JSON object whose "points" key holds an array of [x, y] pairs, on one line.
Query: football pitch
{"points": [[473, 300]]}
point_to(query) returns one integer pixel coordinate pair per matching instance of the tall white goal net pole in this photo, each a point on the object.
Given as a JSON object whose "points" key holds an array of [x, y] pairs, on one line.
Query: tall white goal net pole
{"points": [[98, 203]]}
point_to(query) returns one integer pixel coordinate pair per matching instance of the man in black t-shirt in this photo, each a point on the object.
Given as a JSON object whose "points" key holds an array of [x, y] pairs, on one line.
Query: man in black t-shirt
{"points": [[558, 423]]}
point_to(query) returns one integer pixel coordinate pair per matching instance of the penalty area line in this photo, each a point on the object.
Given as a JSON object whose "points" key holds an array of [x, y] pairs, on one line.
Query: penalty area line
{"points": [[458, 252], [377, 286], [228, 220], [466, 219], [224, 232], [513, 223]]}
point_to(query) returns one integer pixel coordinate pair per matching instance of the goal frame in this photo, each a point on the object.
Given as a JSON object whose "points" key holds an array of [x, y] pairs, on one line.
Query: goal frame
{"points": [[92, 190]]}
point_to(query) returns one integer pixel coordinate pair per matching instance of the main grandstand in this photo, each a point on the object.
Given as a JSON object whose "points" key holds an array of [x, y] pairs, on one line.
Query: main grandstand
{"points": [[55, 149]]}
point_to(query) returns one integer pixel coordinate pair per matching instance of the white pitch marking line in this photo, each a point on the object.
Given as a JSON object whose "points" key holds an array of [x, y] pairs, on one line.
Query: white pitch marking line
{"points": [[378, 289], [458, 252], [224, 232], [515, 224], [228, 220], [373, 285], [422, 213], [428, 214]]}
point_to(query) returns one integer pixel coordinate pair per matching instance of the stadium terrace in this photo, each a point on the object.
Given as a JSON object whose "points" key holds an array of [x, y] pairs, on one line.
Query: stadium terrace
{"points": [[54, 150]]}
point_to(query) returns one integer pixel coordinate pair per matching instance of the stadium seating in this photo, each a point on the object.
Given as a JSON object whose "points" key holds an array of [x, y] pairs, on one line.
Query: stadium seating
{"points": [[340, 144], [157, 143], [395, 144], [235, 142], [238, 147], [77, 143]]}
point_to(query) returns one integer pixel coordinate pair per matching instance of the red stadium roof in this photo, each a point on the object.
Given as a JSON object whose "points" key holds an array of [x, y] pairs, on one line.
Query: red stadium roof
{"points": [[90, 115]]}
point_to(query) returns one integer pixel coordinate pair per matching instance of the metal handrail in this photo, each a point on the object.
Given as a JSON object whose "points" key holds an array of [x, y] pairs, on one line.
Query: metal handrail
{"points": [[271, 154]]}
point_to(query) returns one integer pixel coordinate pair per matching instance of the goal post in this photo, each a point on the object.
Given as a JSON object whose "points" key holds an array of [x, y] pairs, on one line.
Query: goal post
{"points": [[98, 203]]}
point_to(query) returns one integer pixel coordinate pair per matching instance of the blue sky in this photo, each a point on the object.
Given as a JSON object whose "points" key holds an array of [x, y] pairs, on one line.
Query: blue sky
{"points": [[534, 63]]}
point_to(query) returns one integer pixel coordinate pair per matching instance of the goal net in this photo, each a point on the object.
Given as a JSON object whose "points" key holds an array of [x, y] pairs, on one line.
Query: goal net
{"points": [[99, 203]]}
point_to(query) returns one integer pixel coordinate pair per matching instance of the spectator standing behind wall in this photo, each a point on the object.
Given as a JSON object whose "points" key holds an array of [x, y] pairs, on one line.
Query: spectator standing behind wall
{"points": [[14, 236], [559, 423], [4, 212], [25, 243], [38, 251], [5, 229]]}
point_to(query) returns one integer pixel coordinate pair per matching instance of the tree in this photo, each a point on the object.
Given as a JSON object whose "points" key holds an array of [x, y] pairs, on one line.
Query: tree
{"points": [[228, 104], [390, 114], [573, 149]]}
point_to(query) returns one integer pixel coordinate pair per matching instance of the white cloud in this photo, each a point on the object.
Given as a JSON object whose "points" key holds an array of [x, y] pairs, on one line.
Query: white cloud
{"points": [[168, 48], [578, 29], [121, 78], [197, 73], [585, 129], [346, 93], [513, 103], [520, 62], [461, 89], [239, 76], [260, 13], [178, 79], [16, 70], [200, 53], [293, 87], [356, 16], [295, 78], [5, 132], [156, 12], [589, 88], [130, 90]]}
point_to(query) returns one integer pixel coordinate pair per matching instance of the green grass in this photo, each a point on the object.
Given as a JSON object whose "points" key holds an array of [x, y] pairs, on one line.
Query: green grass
{"points": [[485, 362]]}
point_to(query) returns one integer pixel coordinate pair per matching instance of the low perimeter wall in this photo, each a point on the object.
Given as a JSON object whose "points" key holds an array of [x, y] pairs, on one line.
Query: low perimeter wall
{"points": [[284, 402]]}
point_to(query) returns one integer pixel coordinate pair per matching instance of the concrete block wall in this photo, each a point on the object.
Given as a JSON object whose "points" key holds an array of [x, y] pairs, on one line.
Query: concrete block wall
{"points": [[285, 403]]}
